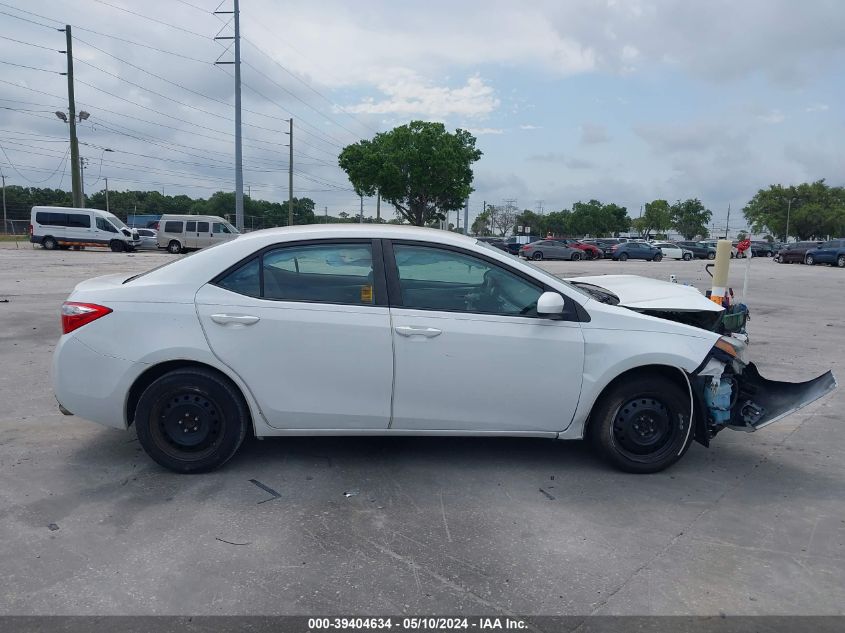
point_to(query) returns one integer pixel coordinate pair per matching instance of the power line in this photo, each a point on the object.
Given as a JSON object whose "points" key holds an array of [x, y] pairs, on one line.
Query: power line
{"points": [[46, 48], [146, 17], [35, 182], [43, 70]]}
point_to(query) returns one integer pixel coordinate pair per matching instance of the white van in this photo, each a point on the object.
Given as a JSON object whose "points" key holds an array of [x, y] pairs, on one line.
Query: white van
{"points": [[63, 227], [180, 233]]}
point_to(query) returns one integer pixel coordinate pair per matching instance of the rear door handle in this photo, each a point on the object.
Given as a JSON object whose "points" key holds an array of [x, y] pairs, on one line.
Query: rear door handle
{"points": [[235, 319], [410, 330]]}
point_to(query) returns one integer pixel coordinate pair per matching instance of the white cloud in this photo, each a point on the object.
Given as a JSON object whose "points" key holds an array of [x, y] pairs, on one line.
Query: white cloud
{"points": [[409, 94], [482, 131], [571, 162], [817, 107], [593, 134], [529, 126], [775, 116]]}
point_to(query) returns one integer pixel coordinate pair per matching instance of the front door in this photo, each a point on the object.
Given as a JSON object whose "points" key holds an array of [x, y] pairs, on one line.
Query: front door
{"points": [[307, 328], [203, 237], [471, 353]]}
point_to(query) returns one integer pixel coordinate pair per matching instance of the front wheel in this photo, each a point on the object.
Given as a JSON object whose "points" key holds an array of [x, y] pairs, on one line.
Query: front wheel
{"points": [[191, 420], [116, 246], [687, 257], [778, 259], [623, 257], [643, 424], [809, 260], [575, 257], [537, 257], [657, 258], [711, 255], [840, 261]]}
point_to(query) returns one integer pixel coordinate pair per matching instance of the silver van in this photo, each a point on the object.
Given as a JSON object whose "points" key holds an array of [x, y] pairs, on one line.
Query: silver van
{"points": [[180, 233]]}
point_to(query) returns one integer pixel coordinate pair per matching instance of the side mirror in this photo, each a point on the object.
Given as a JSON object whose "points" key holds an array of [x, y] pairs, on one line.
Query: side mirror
{"points": [[550, 303]]}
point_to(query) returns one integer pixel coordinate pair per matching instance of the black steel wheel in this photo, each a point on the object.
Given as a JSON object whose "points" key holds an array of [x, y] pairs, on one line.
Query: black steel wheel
{"points": [[537, 256], [116, 246], [643, 424], [191, 420]]}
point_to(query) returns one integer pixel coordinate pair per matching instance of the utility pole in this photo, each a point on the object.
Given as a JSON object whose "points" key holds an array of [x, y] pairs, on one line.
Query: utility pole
{"points": [[327, 213], [239, 167], [107, 195], [290, 174], [466, 218], [378, 206], [78, 200], [361, 215], [82, 180], [5, 226], [728, 221]]}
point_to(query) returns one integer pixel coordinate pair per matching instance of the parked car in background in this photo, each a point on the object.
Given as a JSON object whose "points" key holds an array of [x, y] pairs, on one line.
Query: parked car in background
{"points": [[149, 238], [243, 332], [734, 250], [550, 249], [606, 244], [180, 233], [636, 250], [762, 249], [591, 251], [515, 242], [64, 227], [673, 251], [700, 250], [497, 242], [794, 253], [831, 252]]}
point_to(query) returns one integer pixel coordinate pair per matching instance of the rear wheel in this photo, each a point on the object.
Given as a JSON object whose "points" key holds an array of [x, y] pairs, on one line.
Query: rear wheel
{"points": [[575, 257], [840, 261], [711, 255], [623, 257], [116, 246], [778, 259], [642, 425], [657, 258], [809, 260], [174, 247], [50, 243], [687, 257], [537, 256], [191, 420], [598, 255]]}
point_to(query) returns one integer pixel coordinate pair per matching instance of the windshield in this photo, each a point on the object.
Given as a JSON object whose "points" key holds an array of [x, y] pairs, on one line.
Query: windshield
{"points": [[115, 220], [231, 228], [542, 273]]}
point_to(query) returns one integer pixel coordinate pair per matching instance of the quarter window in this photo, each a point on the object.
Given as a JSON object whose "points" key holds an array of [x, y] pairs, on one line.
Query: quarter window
{"points": [[172, 226], [432, 278]]}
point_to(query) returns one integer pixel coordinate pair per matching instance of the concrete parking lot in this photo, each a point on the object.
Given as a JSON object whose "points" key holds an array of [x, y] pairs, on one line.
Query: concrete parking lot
{"points": [[753, 525]]}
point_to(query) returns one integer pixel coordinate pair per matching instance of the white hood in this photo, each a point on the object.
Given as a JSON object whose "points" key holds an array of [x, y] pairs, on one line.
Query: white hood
{"points": [[643, 293]]}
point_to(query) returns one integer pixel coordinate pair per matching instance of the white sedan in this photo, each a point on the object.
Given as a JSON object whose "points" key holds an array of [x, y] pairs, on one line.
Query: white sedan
{"points": [[673, 251], [385, 330]]}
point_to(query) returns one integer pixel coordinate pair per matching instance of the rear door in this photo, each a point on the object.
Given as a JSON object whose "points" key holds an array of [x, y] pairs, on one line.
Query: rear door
{"points": [[203, 234], [307, 327], [191, 234], [826, 253]]}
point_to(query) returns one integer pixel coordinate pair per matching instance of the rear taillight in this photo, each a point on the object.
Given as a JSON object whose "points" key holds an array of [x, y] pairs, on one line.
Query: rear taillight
{"points": [[30, 230], [614, 247], [75, 315], [527, 248]]}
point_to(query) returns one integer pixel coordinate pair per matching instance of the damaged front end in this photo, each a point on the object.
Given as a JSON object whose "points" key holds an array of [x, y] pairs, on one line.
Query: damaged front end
{"points": [[731, 393]]}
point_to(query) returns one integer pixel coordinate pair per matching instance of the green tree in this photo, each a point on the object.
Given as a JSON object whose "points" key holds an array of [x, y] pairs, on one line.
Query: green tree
{"points": [[420, 168], [656, 217], [690, 218], [481, 224], [598, 219]]}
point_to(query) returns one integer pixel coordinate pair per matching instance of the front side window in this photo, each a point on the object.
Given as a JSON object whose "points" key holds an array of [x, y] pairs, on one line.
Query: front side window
{"points": [[432, 278], [202, 227], [104, 225], [191, 227], [220, 227]]}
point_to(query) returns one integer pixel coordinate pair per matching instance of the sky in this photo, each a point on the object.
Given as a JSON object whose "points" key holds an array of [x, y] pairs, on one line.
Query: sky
{"points": [[623, 101]]}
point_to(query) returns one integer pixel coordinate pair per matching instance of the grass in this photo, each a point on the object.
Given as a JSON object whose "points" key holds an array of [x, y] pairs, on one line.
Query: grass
{"points": [[14, 238]]}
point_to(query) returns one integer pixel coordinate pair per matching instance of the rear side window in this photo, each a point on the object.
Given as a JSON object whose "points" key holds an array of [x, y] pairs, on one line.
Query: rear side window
{"points": [[322, 273], [202, 227], [51, 218], [79, 220], [172, 226], [191, 227]]}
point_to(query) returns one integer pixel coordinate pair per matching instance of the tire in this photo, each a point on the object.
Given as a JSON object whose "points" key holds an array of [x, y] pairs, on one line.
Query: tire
{"points": [[174, 247], [575, 257], [623, 257], [711, 255], [538, 256], [198, 396], [778, 259], [840, 261], [687, 257], [769, 253], [49, 243], [809, 260], [657, 258], [116, 246], [642, 424]]}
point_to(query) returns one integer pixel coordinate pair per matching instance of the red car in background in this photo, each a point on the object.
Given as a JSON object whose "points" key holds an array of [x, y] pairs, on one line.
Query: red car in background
{"points": [[591, 251]]}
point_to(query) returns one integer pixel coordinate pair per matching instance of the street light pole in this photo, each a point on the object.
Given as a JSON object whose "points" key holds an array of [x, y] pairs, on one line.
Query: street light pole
{"points": [[107, 195], [788, 209]]}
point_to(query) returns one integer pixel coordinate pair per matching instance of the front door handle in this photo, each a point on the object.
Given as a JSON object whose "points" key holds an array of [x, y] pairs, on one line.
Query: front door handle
{"points": [[409, 330], [235, 319]]}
